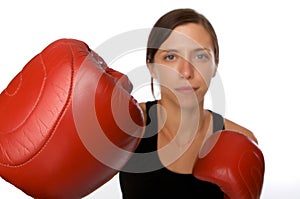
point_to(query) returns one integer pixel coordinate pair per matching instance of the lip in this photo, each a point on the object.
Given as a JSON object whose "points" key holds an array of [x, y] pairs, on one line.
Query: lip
{"points": [[186, 89]]}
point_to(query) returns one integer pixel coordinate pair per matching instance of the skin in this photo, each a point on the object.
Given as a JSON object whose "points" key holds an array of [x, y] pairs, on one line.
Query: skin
{"points": [[184, 66]]}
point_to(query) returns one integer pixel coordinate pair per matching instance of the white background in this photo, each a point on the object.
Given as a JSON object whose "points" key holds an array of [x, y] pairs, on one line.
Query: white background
{"points": [[259, 57]]}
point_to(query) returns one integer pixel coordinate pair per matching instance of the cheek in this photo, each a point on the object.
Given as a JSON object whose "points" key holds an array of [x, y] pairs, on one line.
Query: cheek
{"points": [[166, 75], [205, 74]]}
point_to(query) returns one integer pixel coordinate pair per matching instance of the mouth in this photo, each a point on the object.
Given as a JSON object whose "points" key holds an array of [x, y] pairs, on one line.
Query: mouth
{"points": [[186, 89]]}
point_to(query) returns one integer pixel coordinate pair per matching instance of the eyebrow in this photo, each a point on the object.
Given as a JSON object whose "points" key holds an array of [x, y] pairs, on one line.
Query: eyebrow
{"points": [[168, 50], [202, 49], [175, 50]]}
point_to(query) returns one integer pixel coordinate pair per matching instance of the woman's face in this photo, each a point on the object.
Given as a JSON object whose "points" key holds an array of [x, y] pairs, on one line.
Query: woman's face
{"points": [[184, 65]]}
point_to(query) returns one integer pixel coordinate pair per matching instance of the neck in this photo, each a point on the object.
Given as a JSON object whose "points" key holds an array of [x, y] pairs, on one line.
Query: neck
{"points": [[182, 123]]}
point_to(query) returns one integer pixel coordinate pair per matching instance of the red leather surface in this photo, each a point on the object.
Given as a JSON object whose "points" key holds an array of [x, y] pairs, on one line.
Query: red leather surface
{"points": [[42, 148], [234, 162]]}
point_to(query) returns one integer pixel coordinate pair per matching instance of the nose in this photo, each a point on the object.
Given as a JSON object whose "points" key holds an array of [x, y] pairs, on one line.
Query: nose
{"points": [[186, 69]]}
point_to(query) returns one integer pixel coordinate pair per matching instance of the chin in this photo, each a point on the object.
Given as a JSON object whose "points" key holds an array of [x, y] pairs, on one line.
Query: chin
{"points": [[189, 103], [184, 101]]}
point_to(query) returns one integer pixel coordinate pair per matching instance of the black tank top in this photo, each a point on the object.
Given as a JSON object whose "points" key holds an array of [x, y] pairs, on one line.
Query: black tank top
{"points": [[144, 176]]}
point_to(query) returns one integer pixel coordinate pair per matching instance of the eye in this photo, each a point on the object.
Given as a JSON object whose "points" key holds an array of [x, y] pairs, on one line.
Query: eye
{"points": [[170, 57], [202, 56]]}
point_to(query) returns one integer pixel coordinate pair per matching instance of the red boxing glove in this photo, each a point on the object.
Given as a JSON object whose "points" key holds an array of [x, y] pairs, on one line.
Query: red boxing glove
{"points": [[67, 123], [119, 77], [234, 163]]}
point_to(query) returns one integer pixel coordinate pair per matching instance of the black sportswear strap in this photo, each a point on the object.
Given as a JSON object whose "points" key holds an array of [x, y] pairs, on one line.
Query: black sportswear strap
{"points": [[218, 122]]}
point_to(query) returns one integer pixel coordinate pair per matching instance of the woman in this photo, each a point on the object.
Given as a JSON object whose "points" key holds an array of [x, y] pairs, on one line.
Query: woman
{"points": [[183, 56]]}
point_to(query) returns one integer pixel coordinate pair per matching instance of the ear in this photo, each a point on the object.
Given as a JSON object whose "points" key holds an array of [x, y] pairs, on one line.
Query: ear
{"points": [[151, 69]]}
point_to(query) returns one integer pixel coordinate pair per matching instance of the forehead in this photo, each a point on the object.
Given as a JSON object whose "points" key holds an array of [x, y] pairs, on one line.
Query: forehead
{"points": [[190, 35]]}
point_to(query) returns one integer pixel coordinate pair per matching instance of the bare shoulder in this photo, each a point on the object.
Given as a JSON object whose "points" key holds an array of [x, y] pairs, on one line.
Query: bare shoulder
{"points": [[230, 125]]}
